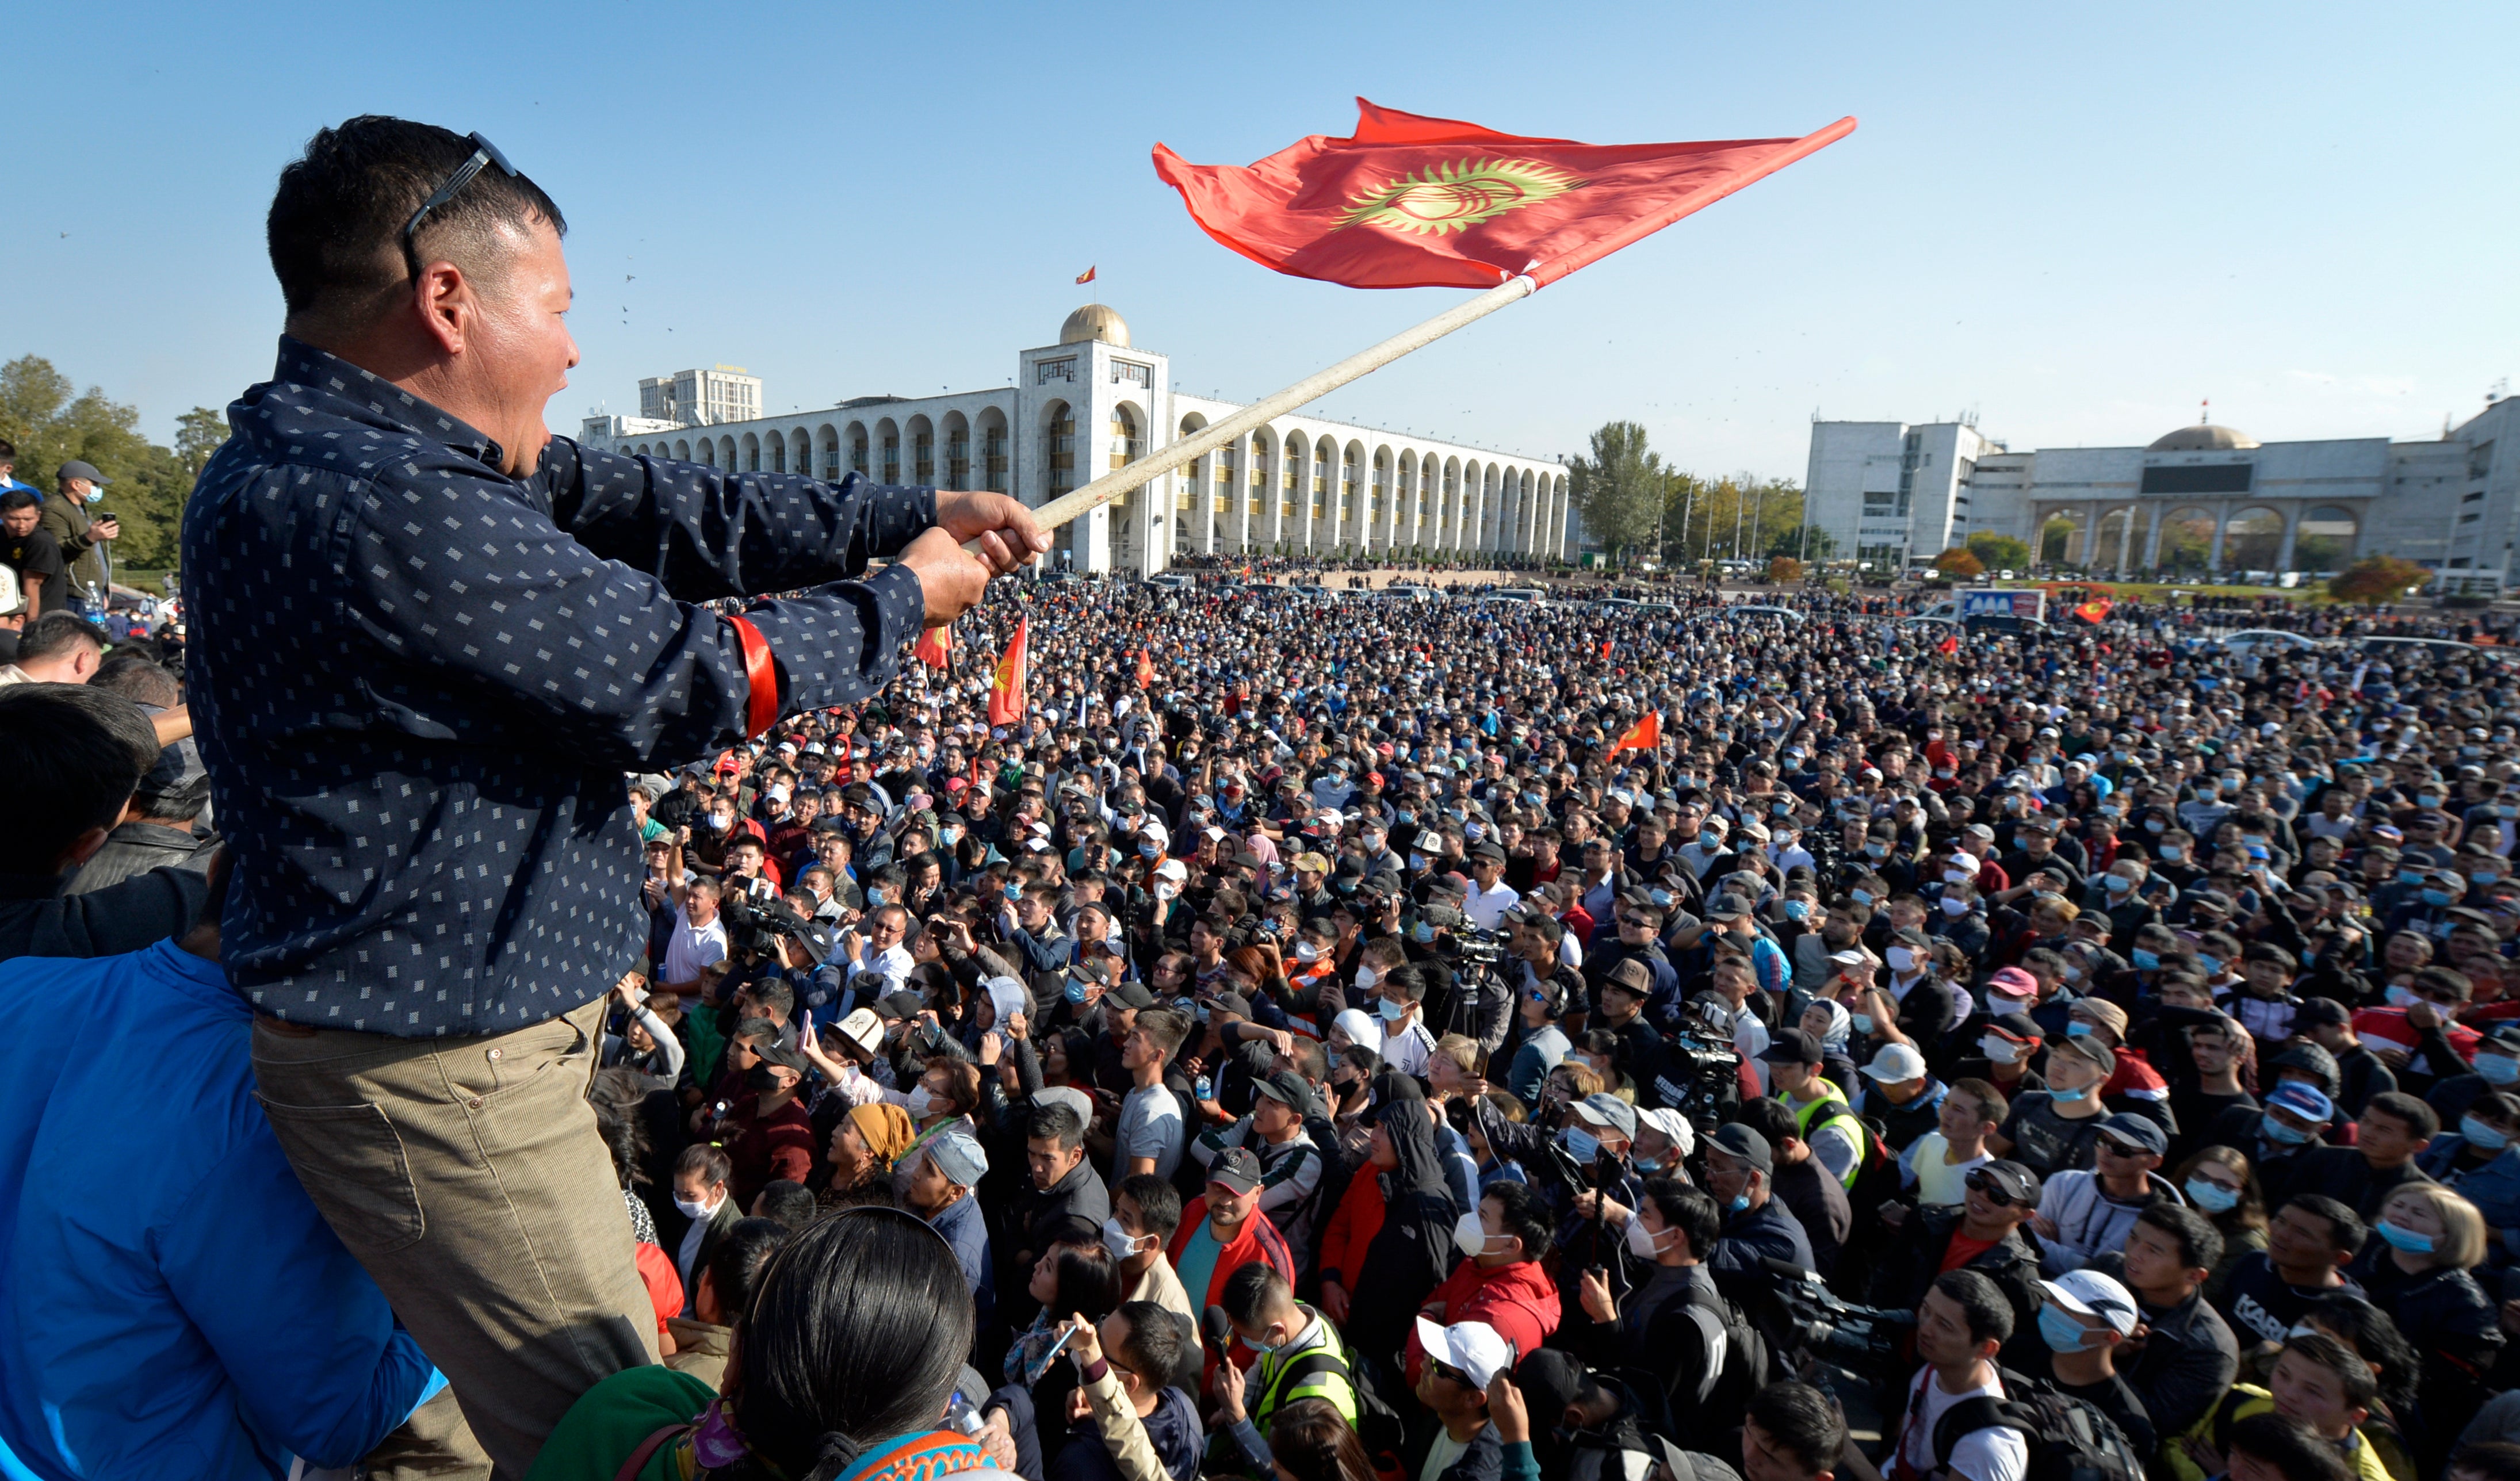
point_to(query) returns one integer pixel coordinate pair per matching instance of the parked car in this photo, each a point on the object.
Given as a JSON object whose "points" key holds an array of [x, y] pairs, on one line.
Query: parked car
{"points": [[1762, 609], [1171, 581], [2249, 640], [1404, 591]]}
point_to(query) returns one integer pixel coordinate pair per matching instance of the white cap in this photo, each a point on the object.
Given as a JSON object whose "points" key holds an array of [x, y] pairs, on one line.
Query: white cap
{"points": [[1474, 1347], [863, 1029], [2093, 1294], [1896, 1063], [1173, 870], [1009, 995], [1675, 1128], [1849, 957], [1360, 1027]]}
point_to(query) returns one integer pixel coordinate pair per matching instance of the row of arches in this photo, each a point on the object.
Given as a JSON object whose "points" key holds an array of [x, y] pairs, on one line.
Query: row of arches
{"points": [[1283, 486], [2192, 537], [954, 450]]}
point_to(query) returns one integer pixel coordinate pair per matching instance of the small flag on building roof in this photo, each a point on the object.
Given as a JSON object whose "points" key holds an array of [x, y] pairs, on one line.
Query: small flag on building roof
{"points": [[1085, 276]]}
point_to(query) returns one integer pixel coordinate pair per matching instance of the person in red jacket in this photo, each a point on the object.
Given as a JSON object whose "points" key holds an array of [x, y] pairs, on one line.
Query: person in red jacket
{"points": [[768, 1135], [1222, 1231], [1499, 1282]]}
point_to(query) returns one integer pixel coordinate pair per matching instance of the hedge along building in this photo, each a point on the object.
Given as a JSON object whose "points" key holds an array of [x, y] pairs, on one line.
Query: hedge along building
{"points": [[1094, 402], [2198, 499]]}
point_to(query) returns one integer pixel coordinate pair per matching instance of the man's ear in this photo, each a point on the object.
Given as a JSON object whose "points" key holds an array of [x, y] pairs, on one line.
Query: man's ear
{"points": [[81, 849]]}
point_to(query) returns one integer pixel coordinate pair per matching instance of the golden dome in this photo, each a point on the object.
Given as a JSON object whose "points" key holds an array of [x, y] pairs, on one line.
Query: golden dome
{"points": [[2201, 437], [1095, 321]]}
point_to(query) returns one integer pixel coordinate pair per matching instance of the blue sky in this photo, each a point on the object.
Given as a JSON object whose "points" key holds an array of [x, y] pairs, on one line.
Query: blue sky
{"points": [[2077, 223]]}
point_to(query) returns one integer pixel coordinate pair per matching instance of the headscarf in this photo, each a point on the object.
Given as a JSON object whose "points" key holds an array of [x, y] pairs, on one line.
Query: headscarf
{"points": [[885, 1129], [1834, 1039]]}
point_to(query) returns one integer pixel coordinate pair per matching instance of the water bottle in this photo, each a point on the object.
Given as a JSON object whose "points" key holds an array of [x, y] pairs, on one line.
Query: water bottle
{"points": [[1206, 1090]]}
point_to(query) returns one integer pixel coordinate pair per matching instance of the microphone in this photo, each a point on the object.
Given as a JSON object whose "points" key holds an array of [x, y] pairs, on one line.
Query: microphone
{"points": [[1216, 1329]]}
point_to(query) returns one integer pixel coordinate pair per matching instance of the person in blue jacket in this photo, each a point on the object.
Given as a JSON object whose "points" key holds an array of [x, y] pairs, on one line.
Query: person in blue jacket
{"points": [[170, 1301]]}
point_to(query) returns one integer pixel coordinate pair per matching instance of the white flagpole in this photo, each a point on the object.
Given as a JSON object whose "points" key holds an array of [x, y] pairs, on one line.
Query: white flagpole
{"points": [[1156, 465]]}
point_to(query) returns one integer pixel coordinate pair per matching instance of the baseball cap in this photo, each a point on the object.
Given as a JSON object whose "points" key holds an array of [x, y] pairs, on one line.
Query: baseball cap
{"points": [[2089, 1294], [2091, 1048], [1742, 1141], [2317, 1011], [1071, 1096], [2140, 1131], [1282, 1088], [1896, 1063], [2302, 1100], [1603, 1108], [1674, 1127], [74, 469], [1236, 1168], [1791, 1046], [1726, 908], [1473, 1348], [958, 1155], [2014, 1180], [2011, 982], [784, 1057], [900, 1004], [1130, 995]]}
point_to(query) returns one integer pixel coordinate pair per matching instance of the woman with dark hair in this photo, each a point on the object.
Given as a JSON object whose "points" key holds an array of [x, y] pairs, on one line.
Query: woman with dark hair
{"points": [[1069, 1280], [844, 1362], [1310, 1442]]}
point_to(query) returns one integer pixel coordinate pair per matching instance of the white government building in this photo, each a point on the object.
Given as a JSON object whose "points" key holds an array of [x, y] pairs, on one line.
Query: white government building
{"points": [[2199, 499], [1300, 485]]}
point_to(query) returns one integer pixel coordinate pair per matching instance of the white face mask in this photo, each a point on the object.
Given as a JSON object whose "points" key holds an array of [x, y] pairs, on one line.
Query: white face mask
{"points": [[1119, 1241], [919, 1102], [1367, 977], [694, 1210], [1470, 1237], [2000, 1050], [1643, 1242]]}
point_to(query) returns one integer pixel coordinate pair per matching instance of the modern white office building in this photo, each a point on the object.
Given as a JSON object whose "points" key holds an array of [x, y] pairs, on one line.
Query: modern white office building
{"points": [[2198, 499], [1093, 402]]}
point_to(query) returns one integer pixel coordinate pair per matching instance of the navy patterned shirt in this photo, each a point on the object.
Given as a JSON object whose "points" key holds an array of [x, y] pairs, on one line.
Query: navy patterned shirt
{"points": [[416, 683]]}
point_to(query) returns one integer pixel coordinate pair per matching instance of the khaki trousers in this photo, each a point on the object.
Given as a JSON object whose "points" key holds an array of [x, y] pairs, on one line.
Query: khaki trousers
{"points": [[466, 1175]]}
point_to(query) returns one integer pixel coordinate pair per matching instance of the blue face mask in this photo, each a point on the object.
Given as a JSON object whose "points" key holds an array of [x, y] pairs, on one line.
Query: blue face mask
{"points": [[2401, 1238], [2078, 1030], [2116, 885], [2476, 1134], [2210, 964], [1422, 933], [1796, 910], [2499, 1069], [2411, 876], [2069, 1096], [2283, 1135], [875, 897], [2437, 897], [2062, 1332], [2146, 961], [1393, 1013], [1861, 896], [1740, 1201], [1580, 1145], [1075, 991], [2211, 1197], [1649, 1164], [1864, 1023]]}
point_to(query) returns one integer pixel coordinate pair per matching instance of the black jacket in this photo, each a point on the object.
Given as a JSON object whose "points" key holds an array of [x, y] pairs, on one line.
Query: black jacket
{"points": [[36, 919], [1413, 1251], [135, 848], [2452, 1326], [1916, 1257], [2188, 1361]]}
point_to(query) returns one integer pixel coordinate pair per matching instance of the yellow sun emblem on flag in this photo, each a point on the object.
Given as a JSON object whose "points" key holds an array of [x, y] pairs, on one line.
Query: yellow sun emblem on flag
{"points": [[1455, 196]]}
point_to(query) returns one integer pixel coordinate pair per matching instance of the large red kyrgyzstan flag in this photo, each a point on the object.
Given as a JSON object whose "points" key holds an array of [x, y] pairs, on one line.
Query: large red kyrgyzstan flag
{"points": [[1410, 201]]}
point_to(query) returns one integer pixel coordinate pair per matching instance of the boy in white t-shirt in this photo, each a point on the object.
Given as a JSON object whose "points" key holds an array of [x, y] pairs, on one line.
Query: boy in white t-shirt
{"points": [[1935, 1167], [1963, 1322]]}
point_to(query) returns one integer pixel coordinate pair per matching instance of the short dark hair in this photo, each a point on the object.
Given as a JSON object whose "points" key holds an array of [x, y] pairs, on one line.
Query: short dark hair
{"points": [[76, 754], [1251, 1290], [771, 993], [1048, 1120], [1981, 1302], [334, 230], [136, 677], [1771, 1118], [735, 1266], [788, 1201], [2295, 1450], [2346, 1229], [1523, 1216], [1688, 1210], [2360, 1386], [1801, 1420], [20, 498], [2201, 1243], [2421, 1120], [710, 1162], [1159, 1204], [1158, 1337], [2490, 1460], [55, 633]]}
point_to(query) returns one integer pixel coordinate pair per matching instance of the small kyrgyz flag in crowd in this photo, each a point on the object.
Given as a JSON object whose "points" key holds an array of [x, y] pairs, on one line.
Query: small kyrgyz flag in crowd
{"points": [[935, 648], [1948, 645], [1085, 276], [1006, 683], [1411, 201], [1605, 649], [1645, 735], [1146, 670], [2095, 611]]}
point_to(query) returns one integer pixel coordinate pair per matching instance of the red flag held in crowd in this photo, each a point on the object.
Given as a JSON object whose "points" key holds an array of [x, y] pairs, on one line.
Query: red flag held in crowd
{"points": [[1412, 201], [2095, 611], [1146, 670], [1949, 646], [935, 648], [1645, 735], [1006, 683]]}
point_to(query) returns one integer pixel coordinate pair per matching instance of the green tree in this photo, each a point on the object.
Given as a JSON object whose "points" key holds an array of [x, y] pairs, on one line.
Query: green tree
{"points": [[51, 424], [1996, 552], [2374, 579], [1618, 490], [197, 434], [1960, 562]]}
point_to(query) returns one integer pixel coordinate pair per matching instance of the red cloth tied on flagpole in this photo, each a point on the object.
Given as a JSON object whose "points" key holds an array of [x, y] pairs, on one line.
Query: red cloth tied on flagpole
{"points": [[1413, 202]]}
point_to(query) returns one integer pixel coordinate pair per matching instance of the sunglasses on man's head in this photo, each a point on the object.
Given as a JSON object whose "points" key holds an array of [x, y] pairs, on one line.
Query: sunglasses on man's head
{"points": [[484, 154]]}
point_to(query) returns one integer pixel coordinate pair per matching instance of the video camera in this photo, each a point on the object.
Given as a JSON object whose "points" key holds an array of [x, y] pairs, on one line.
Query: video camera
{"points": [[1472, 947], [1865, 1338], [1702, 1071], [757, 926]]}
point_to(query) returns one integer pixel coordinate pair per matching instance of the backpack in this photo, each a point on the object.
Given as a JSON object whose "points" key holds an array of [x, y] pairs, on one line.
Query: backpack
{"points": [[2070, 1439], [1378, 1425], [1739, 1368]]}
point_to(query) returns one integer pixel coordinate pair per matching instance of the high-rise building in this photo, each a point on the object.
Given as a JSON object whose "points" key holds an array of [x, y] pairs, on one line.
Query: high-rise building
{"points": [[701, 397]]}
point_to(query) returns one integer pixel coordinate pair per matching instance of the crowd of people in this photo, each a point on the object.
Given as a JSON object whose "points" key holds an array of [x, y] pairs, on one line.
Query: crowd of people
{"points": [[533, 979]]}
